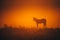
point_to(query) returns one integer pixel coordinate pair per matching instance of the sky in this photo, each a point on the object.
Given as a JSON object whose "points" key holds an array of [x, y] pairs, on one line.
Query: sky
{"points": [[21, 12]]}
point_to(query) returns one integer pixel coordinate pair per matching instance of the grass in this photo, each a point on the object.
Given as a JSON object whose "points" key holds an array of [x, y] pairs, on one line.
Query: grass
{"points": [[9, 33]]}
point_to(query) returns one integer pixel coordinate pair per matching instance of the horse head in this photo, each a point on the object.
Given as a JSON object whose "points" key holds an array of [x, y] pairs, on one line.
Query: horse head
{"points": [[34, 19]]}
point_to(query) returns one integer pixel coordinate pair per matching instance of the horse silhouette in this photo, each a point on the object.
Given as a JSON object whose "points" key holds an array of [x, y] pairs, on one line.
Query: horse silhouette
{"points": [[39, 21]]}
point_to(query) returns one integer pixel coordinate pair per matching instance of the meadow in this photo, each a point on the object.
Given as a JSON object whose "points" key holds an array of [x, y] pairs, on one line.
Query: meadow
{"points": [[10, 33]]}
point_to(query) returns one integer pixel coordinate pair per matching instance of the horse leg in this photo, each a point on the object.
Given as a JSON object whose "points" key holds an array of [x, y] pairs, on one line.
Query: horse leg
{"points": [[44, 25], [37, 25]]}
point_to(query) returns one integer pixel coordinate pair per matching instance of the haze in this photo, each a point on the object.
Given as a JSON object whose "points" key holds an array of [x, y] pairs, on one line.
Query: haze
{"points": [[21, 13]]}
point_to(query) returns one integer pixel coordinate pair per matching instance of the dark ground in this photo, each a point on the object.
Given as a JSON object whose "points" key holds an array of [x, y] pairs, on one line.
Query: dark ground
{"points": [[9, 33]]}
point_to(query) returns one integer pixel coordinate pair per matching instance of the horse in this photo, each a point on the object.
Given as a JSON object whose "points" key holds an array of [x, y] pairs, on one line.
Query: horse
{"points": [[39, 21]]}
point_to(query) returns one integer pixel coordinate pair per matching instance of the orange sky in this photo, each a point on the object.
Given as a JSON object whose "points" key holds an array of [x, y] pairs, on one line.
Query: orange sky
{"points": [[23, 15]]}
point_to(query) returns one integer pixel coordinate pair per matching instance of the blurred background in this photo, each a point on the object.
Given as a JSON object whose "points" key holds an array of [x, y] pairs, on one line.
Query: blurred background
{"points": [[21, 12]]}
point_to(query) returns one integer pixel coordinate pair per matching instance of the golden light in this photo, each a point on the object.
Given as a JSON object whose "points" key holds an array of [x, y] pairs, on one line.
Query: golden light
{"points": [[22, 13], [24, 17]]}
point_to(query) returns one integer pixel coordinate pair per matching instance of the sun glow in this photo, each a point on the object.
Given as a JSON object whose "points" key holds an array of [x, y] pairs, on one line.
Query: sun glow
{"points": [[24, 17]]}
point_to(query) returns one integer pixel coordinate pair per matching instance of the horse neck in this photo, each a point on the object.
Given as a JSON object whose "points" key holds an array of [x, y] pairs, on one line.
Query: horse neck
{"points": [[36, 20]]}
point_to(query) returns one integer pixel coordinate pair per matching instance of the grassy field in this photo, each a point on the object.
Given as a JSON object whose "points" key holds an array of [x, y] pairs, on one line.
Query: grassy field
{"points": [[8, 33]]}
